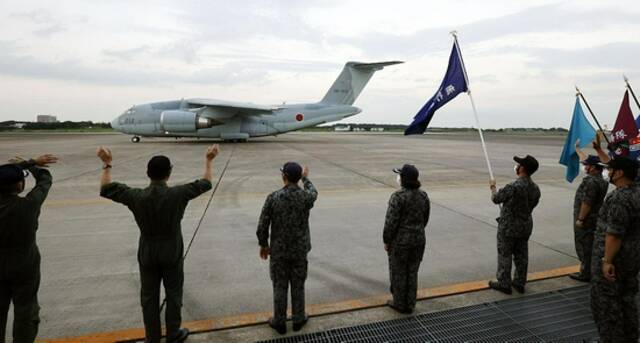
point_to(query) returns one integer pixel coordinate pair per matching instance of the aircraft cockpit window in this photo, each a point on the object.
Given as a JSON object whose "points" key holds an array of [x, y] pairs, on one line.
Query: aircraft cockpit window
{"points": [[130, 111]]}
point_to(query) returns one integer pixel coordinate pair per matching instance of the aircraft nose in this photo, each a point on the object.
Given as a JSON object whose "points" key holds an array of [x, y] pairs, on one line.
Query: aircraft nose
{"points": [[115, 123]]}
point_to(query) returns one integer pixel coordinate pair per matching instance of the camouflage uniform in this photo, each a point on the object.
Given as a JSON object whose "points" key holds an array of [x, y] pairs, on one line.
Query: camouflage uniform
{"points": [[20, 257], [591, 191], [613, 303], [406, 219], [158, 210], [515, 225], [284, 227]]}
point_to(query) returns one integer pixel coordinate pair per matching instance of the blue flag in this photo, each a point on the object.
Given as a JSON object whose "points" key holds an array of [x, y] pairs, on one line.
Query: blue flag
{"points": [[580, 129], [453, 84], [638, 123]]}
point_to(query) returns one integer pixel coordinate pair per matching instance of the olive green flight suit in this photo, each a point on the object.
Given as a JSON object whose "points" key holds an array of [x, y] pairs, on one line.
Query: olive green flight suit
{"points": [[20, 257], [158, 210]]}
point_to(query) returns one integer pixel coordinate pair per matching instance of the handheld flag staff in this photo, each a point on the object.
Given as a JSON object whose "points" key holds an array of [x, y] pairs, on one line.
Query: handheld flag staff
{"points": [[633, 94], [579, 93], [455, 82], [473, 105]]}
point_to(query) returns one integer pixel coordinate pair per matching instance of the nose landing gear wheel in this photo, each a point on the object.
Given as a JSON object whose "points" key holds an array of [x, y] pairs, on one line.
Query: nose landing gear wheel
{"points": [[135, 139]]}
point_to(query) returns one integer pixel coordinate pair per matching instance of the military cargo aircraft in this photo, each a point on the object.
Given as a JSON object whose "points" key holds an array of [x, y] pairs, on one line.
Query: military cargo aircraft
{"points": [[236, 121]]}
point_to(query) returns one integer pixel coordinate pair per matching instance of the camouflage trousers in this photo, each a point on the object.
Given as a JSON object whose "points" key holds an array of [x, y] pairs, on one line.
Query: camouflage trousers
{"points": [[516, 250], [285, 272], [614, 307], [584, 246], [404, 263]]}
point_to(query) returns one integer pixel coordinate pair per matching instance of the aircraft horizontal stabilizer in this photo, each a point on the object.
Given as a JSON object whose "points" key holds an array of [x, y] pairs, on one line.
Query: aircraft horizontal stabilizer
{"points": [[375, 66]]}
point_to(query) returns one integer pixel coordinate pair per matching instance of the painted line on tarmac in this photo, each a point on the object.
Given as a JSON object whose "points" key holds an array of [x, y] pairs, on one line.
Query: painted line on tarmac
{"points": [[260, 318], [227, 194]]}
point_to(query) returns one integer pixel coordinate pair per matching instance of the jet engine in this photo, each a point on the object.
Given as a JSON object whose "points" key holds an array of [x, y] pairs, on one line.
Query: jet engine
{"points": [[183, 121]]}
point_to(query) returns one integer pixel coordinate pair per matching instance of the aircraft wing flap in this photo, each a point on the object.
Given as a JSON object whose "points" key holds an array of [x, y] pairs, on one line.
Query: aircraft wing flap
{"points": [[244, 107]]}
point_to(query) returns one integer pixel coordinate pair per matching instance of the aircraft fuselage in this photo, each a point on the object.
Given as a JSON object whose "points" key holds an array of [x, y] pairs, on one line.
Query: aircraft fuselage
{"points": [[147, 120]]}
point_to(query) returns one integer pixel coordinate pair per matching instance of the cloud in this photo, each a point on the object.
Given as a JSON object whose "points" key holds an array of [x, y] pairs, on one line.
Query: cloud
{"points": [[217, 21], [42, 18], [614, 56], [15, 64], [182, 50], [540, 19], [127, 54]]}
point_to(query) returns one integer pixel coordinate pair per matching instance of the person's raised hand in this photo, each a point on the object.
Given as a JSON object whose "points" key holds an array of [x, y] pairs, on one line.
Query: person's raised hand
{"points": [[45, 160], [212, 152], [305, 171], [596, 143], [104, 154]]}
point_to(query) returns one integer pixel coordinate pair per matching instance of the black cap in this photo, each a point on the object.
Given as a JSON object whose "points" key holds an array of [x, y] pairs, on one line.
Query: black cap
{"points": [[591, 161], [10, 174], [408, 172], [292, 170], [529, 163], [621, 163], [159, 167]]}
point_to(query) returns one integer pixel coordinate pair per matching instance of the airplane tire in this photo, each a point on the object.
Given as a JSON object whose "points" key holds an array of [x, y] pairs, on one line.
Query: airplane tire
{"points": [[135, 139]]}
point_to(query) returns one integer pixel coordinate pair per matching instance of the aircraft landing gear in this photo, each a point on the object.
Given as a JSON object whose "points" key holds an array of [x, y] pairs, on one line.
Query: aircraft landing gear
{"points": [[135, 139], [235, 140]]}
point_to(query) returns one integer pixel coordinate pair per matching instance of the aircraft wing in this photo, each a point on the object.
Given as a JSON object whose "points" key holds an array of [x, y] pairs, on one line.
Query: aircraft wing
{"points": [[243, 107]]}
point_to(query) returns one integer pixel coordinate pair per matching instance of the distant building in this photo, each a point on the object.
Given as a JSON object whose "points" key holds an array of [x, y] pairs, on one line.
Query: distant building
{"points": [[342, 128], [377, 129], [46, 119]]}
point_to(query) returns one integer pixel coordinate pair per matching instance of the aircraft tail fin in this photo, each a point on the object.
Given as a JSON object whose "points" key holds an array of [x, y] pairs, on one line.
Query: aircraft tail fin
{"points": [[351, 81]]}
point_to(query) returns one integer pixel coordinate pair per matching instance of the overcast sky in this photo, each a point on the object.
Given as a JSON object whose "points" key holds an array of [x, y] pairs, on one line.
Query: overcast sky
{"points": [[90, 60]]}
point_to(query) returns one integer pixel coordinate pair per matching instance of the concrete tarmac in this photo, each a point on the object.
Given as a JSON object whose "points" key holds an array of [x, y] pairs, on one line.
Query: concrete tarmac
{"points": [[90, 277]]}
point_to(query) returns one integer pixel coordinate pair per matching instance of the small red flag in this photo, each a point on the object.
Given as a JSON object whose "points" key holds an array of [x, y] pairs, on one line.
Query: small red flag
{"points": [[625, 128]]}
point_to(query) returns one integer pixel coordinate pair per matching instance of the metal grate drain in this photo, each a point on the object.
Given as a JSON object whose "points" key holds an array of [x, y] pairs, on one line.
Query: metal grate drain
{"points": [[557, 316]]}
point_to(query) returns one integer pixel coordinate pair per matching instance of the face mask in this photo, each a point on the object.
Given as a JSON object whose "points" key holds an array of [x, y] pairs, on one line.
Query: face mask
{"points": [[605, 175], [398, 180], [610, 179]]}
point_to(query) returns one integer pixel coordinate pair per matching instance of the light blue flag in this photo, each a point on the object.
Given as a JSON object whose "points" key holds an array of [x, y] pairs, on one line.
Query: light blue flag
{"points": [[580, 129]]}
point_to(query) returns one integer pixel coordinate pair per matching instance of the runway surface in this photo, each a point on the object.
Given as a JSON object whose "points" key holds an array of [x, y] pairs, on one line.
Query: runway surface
{"points": [[90, 277]]}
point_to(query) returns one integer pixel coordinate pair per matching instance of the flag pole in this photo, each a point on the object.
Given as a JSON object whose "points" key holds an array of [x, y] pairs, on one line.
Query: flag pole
{"points": [[579, 93], [626, 80], [473, 104]]}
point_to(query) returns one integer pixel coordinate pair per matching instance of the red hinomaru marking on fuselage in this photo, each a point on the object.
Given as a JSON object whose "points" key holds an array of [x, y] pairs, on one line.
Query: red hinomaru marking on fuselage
{"points": [[299, 117]]}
